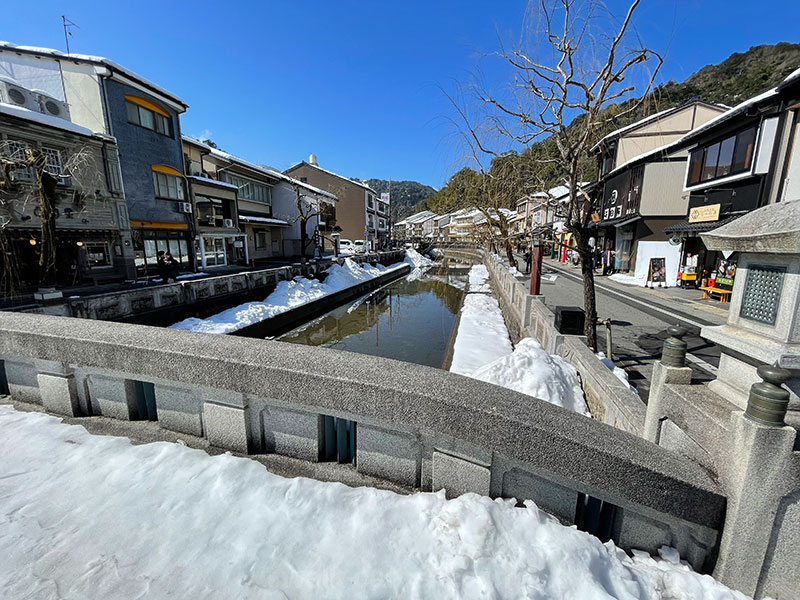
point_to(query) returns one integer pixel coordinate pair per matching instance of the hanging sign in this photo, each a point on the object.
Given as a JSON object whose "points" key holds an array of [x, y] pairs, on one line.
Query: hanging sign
{"points": [[701, 214]]}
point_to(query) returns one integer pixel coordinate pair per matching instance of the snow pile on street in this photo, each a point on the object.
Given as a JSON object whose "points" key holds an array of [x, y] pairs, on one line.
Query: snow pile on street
{"points": [[479, 279], [287, 295], [514, 271], [416, 260], [94, 517], [628, 279], [436, 253], [529, 369], [618, 372]]}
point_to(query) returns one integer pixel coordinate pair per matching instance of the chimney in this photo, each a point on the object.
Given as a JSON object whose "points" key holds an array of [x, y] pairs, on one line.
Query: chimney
{"points": [[312, 159]]}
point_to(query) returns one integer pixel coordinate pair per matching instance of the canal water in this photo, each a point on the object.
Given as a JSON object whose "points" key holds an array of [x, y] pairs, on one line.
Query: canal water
{"points": [[410, 319]]}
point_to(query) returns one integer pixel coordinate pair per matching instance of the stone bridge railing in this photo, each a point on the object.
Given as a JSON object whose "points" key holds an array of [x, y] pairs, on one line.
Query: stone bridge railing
{"points": [[417, 426]]}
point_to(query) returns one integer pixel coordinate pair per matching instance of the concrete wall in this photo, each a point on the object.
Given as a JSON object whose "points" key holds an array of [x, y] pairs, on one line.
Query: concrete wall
{"points": [[417, 426]]}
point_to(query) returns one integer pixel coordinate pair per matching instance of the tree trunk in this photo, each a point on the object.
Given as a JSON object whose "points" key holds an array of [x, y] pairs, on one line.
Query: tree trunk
{"points": [[303, 237], [589, 300], [47, 206], [512, 262]]}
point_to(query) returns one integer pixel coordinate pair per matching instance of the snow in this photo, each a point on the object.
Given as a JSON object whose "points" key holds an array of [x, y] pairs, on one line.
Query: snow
{"points": [[479, 279], [416, 260], [529, 369], [186, 276], [95, 517], [347, 179], [628, 279], [43, 119], [287, 295], [268, 220], [482, 336], [209, 181], [514, 271], [618, 373]]}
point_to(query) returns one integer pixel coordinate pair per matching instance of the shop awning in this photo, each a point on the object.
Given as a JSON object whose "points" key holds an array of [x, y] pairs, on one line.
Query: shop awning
{"points": [[264, 220], [627, 221], [686, 227]]}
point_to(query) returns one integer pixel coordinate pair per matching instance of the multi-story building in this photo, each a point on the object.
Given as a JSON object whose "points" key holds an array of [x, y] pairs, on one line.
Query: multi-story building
{"points": [[106, 98], [92, 236], [260, 203], [746, 158], [640, 191], [357, 211]]}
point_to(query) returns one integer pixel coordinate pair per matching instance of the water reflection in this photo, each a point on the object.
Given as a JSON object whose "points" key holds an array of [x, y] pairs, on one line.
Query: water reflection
{"points": [[407, 320]]}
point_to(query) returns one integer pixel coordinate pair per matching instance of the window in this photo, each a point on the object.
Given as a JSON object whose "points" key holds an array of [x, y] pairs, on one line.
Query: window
{"points": [[250, 190], [381, 224], [15, 150], [168, 183], [114, 177], [148, 114], [370, 201], [52, 161], [730, 156], [98, 254], [261, 240], [209, 211]]}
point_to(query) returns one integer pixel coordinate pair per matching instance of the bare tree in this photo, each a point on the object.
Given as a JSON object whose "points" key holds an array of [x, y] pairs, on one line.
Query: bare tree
{"points": [[576, 60], [17, 194]]}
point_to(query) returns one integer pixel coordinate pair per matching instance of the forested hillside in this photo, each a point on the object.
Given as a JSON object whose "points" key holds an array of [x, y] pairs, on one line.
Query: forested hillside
{"points": [[405, 195]]}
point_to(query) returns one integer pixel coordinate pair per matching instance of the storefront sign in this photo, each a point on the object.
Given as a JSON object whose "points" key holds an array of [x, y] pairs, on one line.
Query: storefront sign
{"points": [[700, 214]]}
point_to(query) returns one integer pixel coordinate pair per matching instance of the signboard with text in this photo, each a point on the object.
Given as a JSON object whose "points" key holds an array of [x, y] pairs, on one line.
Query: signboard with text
{"points": [[701, 214], [385, 197]]}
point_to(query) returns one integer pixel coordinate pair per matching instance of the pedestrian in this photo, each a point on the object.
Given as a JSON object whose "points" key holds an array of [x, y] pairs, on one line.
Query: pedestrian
{"points": [[172, 268], [162, 267], [528, 260]]}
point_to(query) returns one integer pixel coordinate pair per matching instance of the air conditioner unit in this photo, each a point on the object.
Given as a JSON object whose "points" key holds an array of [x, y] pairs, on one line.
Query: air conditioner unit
{"points": [[52, 106], [227, 223], [185, 207], [16, 95]]}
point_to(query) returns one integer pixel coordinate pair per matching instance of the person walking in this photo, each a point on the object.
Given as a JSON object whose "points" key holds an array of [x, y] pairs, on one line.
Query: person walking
{"points": [[528, 260]]}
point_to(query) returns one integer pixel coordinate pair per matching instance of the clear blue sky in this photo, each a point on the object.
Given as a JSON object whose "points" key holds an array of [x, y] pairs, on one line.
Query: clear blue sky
{"points": [[355, 82]]}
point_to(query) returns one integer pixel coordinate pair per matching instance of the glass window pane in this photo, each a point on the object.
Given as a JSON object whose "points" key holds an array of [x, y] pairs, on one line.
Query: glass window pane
{"points": [[133, 112], [725, 156], [184, 249], [710, 163], [161, 245], [150, 252], [743, 155], [146, 118]]}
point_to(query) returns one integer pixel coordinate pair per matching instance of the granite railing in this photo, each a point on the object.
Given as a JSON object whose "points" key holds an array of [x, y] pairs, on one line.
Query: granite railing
{"points": [[417, 426]]}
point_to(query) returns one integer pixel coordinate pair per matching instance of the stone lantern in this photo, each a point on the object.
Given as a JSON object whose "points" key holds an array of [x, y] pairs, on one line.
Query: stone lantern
{"points": [[763, 326]]}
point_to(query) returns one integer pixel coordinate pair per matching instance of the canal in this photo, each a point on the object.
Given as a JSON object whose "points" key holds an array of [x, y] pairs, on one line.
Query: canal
{"points": [[410, 319]]}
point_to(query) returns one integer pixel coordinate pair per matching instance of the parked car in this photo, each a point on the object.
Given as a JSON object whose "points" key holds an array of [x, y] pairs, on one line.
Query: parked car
{"points": [[360, 246], [346, 247]]}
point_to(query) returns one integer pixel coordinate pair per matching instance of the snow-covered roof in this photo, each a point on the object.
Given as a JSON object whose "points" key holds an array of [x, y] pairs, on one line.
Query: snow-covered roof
{"points": [[209, 181], [420, 217], [347, 179], [43, 119], [226, 156], [95, 60], [793, 76], [266, 220]]}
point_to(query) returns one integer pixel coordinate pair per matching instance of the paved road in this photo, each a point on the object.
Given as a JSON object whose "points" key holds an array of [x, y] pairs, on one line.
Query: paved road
{"points": [[639, 319]]}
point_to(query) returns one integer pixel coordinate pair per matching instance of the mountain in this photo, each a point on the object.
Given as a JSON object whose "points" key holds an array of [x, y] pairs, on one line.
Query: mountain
{"points": [[740, 76], [405, 195]]}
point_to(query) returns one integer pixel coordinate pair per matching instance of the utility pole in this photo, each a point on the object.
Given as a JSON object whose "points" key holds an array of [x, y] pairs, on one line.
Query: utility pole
{"points": [[66, 23]]}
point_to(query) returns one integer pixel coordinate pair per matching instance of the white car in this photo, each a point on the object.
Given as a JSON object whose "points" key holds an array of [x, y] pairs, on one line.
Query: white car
{"points": [[360, 246], [346, 247]]}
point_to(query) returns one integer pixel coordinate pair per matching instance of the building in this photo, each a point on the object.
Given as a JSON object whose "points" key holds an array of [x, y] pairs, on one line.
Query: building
{"points": [[106, 98], [256, 207], [360, 213], [744, 159], [639, 192], [92, 236], [462, 224]]}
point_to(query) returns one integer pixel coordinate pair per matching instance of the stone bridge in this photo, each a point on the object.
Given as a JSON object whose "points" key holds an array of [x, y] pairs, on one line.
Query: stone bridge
{"points": [[417, 426]]}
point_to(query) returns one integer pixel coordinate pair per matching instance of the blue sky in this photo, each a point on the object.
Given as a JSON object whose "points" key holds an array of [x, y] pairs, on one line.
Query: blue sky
{"points": [[357, 83]]}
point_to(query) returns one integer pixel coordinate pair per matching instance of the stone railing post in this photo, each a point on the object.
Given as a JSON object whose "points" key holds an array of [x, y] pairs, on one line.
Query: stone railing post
{"points": [[760, 476], [671, 369]]}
